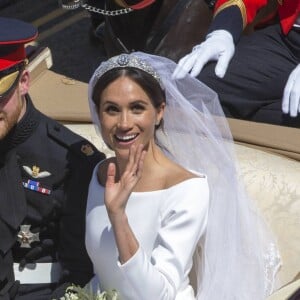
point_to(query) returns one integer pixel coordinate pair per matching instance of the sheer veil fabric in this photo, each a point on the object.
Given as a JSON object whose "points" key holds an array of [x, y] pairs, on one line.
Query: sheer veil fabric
{"points": [[239, 259]]}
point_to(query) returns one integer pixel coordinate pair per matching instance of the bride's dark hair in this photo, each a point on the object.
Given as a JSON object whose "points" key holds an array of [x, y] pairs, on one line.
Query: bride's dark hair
{"points": [[147, 82]]}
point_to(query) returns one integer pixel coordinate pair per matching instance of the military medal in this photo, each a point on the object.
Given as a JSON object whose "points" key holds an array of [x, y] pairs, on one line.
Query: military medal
{"points": [[35, 186], [26, 237]]}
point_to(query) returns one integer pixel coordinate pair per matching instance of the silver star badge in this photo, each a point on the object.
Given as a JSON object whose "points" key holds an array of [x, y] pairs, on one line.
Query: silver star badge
{"points": [[26, 237]]}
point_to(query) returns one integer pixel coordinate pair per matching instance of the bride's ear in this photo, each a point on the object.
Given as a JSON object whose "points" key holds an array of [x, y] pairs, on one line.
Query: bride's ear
{"points": [[160, 113]]}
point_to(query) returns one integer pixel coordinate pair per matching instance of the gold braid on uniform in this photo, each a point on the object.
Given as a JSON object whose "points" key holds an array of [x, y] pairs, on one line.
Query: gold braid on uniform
{"points": [[240, 4]]}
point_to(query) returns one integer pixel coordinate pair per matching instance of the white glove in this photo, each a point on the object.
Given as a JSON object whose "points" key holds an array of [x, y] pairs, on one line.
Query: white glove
{"points": [[291, 94], [218, 46]]}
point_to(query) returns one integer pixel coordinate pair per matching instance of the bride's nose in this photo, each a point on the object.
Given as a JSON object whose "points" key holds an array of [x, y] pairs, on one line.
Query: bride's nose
{"points": [[125, 121]]}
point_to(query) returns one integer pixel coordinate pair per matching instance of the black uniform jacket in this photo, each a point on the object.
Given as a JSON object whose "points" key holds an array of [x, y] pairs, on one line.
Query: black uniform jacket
{"points": [[44, 175]]}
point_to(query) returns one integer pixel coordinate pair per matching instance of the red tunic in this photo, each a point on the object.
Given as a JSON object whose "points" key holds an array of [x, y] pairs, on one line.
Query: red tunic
{"points": [[288, 10]]}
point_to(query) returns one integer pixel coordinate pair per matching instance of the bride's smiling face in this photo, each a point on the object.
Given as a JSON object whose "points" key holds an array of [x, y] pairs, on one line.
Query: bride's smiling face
{"points": [[127, 115]]}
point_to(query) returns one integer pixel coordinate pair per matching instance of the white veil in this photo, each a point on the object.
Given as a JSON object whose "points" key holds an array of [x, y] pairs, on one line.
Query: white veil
{"points": [[239, 259]]}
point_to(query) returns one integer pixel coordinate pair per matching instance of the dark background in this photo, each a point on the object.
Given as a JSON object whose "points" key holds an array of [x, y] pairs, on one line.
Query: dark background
{"points": [[65, 32]]}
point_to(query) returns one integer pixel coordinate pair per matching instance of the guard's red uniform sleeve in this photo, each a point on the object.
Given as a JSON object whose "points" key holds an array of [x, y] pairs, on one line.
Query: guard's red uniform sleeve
{"points": [[248, 8], [288, 10]]}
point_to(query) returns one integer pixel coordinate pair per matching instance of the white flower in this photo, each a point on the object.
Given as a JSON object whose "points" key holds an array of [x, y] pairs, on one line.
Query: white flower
{"points": [[74, 292]]}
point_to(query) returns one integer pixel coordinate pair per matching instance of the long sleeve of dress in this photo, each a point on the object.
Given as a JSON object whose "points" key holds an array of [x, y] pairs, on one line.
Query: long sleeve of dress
{"points": [[168, 225]]}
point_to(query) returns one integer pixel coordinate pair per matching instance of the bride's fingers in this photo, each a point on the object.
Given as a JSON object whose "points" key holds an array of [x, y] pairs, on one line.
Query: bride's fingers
{"points": [[133, 157], [138, 154], [137, 157], [134, 165], [111, 174], [132, 153], [141, 163]]}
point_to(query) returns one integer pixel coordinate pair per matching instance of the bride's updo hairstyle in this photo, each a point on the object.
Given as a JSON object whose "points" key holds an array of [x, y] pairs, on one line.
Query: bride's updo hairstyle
{"points": [[146, 81]]}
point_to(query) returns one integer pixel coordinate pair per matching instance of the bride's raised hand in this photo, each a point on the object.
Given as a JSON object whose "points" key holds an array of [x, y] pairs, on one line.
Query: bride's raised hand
{"points": [[117, 193]]}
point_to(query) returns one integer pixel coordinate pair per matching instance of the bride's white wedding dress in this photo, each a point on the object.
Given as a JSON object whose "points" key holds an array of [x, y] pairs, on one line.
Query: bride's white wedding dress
{"points": [[167, 224]]}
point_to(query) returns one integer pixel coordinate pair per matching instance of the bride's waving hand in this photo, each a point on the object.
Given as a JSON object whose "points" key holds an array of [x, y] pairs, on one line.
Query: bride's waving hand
{"points": [[118, 192]]}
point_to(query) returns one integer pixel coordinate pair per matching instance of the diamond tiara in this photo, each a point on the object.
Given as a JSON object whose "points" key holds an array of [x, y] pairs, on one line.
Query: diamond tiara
{"points": [[123, 61]]}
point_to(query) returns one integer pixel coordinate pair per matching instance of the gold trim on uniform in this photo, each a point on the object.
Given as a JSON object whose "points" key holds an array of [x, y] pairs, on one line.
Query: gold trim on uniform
{"points": [[7, 81], [240, 4], [35, 171]]}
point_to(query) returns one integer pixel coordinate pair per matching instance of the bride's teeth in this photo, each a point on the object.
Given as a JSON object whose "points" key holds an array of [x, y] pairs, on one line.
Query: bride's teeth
{"points": [[126, 138]]}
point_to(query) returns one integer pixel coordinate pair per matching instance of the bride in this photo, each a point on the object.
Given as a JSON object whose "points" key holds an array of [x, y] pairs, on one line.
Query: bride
{"points": [[170, 198]]}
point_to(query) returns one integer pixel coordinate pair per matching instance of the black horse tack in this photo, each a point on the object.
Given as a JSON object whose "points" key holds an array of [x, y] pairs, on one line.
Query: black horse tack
{"points": [[164, 27]]}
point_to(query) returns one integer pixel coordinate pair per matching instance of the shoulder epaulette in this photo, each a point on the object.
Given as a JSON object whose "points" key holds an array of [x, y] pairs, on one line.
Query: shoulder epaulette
{"points": [[230, 4], [73, 141], [230, 19]]}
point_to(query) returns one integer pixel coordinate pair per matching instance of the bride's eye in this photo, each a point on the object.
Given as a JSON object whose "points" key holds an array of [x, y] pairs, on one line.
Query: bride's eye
{"points": [[111, 109], [138, 108]]}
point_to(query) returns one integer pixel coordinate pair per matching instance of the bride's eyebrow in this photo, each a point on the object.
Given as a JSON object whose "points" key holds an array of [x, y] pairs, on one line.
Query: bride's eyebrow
{"points": [[139, 102]]}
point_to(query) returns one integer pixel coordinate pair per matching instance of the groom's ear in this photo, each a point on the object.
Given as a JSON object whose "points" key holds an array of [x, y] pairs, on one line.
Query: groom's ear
{"points": [[24, 83]]}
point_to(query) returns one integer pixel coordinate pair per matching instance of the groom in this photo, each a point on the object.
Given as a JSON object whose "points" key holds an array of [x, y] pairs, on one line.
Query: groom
{"points": [[44, 175]]}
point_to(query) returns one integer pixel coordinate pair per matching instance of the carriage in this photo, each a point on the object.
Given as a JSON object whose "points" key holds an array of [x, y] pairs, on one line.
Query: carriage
{"points": [[268, 155]]}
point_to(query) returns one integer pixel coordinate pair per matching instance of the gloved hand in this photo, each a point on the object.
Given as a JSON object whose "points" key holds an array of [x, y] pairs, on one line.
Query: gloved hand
{"points": [[291, 94], [218, 46]]}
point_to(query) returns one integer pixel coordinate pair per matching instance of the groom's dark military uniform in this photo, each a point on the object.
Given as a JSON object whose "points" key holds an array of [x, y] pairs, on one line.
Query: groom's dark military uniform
{"points": [[44, 175]]}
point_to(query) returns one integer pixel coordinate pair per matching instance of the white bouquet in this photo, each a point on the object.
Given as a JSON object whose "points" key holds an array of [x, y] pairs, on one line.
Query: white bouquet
{"points": [[74, 292]]}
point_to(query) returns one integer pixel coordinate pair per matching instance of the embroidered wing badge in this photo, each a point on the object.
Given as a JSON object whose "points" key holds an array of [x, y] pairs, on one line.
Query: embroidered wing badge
{"points": [[35, 172]]}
